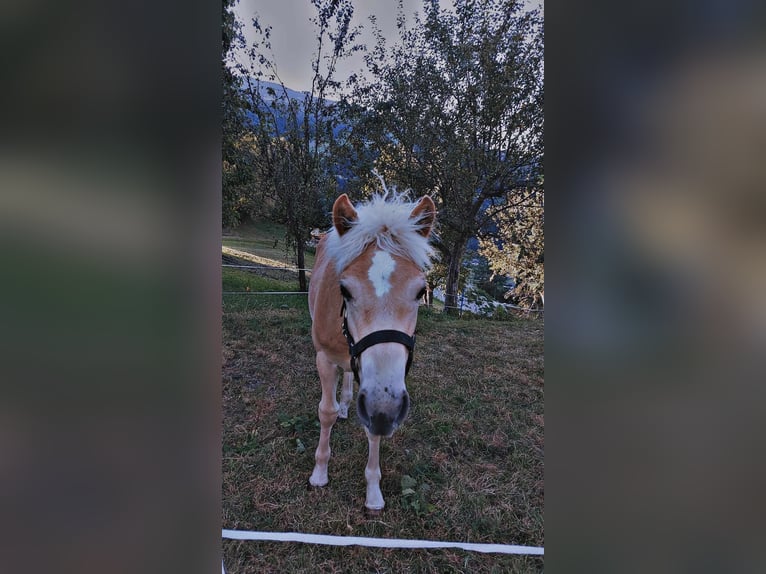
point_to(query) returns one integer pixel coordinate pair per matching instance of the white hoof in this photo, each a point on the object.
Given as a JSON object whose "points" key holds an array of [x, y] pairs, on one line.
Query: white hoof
{"points": [[342, 411], [375, 507], [374, 500], [318, 478]]}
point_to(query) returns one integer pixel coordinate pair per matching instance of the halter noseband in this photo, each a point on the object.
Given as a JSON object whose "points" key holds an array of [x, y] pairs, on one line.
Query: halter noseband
{"points": [[384, 336]]}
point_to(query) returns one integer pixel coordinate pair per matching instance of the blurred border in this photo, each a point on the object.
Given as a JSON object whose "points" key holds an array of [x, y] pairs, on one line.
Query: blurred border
{"points": [[655, 323], [110, 298]]}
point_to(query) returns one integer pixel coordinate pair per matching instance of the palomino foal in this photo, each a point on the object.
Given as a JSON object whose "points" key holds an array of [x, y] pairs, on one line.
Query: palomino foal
{"points": [[365, 287]]}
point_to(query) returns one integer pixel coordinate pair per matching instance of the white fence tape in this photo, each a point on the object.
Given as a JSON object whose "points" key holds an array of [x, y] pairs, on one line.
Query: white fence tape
{"points": [[329, 540]]}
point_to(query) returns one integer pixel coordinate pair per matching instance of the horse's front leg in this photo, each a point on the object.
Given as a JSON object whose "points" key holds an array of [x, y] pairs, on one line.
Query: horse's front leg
{"points": [[374, 499], [346, 395], [328, 414]]}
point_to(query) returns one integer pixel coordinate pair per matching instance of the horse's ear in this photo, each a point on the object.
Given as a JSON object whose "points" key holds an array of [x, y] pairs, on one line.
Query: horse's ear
{"points": [[343, 214], [425, 214]]}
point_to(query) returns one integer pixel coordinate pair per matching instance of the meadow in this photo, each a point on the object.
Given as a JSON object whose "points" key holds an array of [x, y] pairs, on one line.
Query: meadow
{"points": [[467, 465]]}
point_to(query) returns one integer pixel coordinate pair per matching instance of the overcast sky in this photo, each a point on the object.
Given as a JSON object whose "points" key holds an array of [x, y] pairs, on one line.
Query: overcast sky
{"points": [[293, 38]]}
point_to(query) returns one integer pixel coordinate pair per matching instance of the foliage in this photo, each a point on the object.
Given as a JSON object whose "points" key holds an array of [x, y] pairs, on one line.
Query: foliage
{"points": [[451, 108], [455, 109], [237, 174], [518, 248], [294, 143], [494, 284], [414, 497], [297, 424]]}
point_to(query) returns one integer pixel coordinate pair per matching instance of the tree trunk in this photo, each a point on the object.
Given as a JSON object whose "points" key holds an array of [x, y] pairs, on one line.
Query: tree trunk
{"points": [[453, 276], [300, 250]]}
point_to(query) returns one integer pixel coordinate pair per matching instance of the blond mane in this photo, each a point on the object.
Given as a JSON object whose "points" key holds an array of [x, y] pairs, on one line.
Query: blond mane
{"points": [[385, 220]]}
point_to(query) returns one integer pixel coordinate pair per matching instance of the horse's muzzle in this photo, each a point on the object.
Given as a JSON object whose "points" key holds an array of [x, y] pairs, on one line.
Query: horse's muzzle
{"points": [[382, 422]]}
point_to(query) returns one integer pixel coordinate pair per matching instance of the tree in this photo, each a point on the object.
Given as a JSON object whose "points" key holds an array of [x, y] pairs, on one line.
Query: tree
{"points": [[296, 141], [455, 108], [517, 249], [237, 172]]}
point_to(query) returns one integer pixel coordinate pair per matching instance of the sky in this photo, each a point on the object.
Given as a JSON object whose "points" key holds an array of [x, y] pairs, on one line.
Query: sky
{"points": [[293, 39]]}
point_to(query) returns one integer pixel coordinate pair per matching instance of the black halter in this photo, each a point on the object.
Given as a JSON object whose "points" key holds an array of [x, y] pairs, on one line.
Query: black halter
{"points": [[384, 336]]}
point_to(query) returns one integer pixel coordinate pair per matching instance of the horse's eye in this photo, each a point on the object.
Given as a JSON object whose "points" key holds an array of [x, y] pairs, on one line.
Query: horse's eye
{"points": [[344, 292], [421, 294]]}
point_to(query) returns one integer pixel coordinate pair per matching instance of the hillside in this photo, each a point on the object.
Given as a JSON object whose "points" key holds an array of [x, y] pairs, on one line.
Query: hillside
{"points": [[261, 242], [275, 98]]}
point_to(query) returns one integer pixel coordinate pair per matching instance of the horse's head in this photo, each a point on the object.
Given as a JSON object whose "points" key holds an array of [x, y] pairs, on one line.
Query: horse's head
{"points": [[381, 289]]}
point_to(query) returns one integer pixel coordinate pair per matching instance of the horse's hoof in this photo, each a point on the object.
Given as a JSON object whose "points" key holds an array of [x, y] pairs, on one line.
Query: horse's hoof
{"points": [[343, 412], [311, 486], [318, 481], [373, 512]]}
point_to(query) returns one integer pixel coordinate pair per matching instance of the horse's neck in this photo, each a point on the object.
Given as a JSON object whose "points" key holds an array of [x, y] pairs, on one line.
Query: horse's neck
{"points": [[325, 300]]}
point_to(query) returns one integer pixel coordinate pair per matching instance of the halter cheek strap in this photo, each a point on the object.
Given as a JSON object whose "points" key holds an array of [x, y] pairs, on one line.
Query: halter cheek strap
{"points": [[384, 336]]}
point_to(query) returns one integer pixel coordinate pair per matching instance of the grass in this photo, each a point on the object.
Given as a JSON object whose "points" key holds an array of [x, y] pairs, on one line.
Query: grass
{"points": [[239, 287], [260, 240], [467, 465]]}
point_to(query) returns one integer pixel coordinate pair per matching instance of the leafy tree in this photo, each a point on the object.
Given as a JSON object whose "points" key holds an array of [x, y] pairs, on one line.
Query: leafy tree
{"points": [[455, 108], [296, 138], [518, 249], [237, 175]]}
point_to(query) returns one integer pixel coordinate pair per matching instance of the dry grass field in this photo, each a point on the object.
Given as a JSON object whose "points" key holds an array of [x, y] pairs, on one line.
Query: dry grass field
{"points": [[467, 465]]}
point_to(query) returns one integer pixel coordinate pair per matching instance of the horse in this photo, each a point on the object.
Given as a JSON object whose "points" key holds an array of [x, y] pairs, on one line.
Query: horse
{"points": [[366, 284]]}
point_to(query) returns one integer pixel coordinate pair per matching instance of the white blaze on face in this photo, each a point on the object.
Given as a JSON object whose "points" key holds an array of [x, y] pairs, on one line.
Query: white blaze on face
{"points": [[382, 267]]}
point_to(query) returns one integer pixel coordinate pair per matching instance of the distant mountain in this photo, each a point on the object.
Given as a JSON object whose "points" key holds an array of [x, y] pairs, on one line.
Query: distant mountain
{"points": [[271, 92]]}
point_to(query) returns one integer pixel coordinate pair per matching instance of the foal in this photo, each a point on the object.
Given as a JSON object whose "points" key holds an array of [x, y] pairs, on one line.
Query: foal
{"points": [[365, 288]]}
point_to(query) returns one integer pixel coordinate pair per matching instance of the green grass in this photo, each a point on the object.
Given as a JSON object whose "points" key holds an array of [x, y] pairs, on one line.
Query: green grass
{"points": [[248, 284], [467, 465], [258, 238]]}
